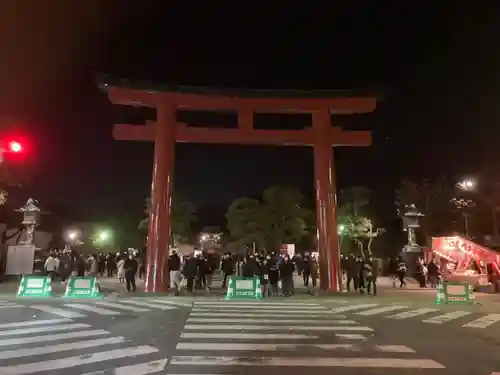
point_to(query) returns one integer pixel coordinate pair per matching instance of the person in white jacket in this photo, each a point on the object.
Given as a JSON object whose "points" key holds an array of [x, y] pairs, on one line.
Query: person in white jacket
{"points": [[51, 266], [121, 270]]}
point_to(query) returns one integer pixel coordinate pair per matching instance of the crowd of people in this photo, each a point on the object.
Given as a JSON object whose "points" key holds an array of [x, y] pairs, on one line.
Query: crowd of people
{"points": [[361, 273], [61, 264], [274, 270]]}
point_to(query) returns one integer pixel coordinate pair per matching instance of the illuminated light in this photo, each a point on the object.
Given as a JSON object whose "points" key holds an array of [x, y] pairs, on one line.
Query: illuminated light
{"points": [[104, 236], [441, 255], [15, 146], [467, 184]]}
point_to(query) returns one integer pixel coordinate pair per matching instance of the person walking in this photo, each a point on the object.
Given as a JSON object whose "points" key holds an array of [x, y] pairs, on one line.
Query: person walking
{"points": [[174, 265], [131, 265]]}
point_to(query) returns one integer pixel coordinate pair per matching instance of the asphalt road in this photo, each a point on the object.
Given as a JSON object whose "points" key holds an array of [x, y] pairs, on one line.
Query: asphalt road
{"points": [[174, 336]]}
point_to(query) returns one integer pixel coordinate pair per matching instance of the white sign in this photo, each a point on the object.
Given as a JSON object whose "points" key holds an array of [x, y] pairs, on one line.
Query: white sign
{"points": [[456, 289], [34, 283], [81, 284], [244, 284]]}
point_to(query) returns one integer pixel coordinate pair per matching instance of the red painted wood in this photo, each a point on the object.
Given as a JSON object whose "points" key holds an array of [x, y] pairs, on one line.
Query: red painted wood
{"points": [[184, 134], [158, 243], [337, 105], [324, 172]]}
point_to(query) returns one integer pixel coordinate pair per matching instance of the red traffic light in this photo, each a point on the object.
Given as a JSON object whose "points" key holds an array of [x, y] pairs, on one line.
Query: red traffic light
{"points": [[15, 146]]}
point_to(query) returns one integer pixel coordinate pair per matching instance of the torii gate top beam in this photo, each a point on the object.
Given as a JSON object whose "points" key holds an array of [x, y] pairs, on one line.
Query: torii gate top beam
{"points": [[246, 103], [275, 101]]}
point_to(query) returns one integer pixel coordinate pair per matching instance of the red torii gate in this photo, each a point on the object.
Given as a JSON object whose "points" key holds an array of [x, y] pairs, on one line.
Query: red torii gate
{"points": [[166, 131]]}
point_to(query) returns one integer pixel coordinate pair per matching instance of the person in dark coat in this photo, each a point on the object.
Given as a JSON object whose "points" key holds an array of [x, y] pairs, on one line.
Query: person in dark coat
{"points": [[274, 275], [286, 274], [314, 271], [360, 262], [351, 269], [433, 273], [306, 268], [371, 269], [202, 269], [190, 272], [174, 267], [110, 265], [227, 267], [249, 268], [401, 271], [264, 276], [131, 265]]}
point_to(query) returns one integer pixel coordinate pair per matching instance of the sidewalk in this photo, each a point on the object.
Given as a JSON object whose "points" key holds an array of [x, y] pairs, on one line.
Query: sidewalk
{"points": [[108, 285], [411, 295]]}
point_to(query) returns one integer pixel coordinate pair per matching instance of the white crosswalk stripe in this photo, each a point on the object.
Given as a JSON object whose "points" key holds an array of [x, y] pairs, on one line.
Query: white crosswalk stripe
{"points": [[446, 317], [84, 308], [381, 310], [28, 353], [8, 305], [353, 307], [148, 304], [484, 321], [259, 337], [412, 313], [263, 310], [272, 327], [173, 303], [120, 306], [276, 314], [430, 315], [352, 362], [90, 308], [268, 321], [65, 313]]}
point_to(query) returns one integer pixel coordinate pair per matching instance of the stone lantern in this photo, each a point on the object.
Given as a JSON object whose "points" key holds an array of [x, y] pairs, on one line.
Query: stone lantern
{"points": [[410, 223], [411, 251], [31, 219]]}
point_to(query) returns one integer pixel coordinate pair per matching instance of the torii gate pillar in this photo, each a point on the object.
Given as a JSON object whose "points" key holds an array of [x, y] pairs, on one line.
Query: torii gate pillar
{"points": [[326, 203], [160, 216], [166, 131]]}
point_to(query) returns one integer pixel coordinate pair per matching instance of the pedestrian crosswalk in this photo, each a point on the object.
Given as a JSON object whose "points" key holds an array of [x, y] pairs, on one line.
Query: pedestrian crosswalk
{"points": [[8, 304], [467, 319], [85, 308], [57, 346], [227, 337]]}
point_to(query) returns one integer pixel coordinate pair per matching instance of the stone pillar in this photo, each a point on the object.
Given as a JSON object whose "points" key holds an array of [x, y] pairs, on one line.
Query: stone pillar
{"points": [[158, 244], [326, 203]]}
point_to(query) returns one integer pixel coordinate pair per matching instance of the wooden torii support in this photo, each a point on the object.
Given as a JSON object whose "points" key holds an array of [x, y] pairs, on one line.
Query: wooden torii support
{"points": [[322, 136]]}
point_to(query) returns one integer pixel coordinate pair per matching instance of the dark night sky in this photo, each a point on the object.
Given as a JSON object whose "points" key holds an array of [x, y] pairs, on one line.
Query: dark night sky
{"points": [[438, 67]]}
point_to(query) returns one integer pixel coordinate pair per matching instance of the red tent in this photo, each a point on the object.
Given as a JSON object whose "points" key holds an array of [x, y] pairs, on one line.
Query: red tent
{"points": [[470, 258]]}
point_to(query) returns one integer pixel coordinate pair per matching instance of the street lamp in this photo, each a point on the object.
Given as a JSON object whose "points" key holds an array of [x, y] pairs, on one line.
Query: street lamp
{"points": [[467, 184], [470, 185], [73, 235], [340, 229], [104, 236]]}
